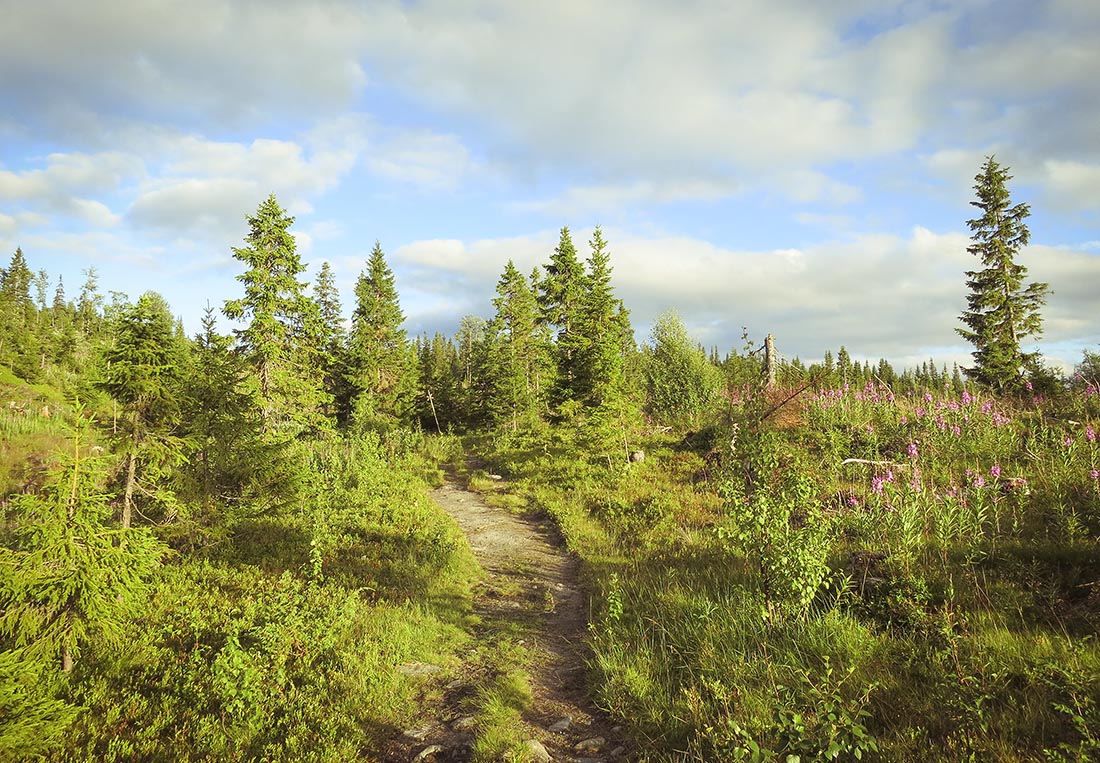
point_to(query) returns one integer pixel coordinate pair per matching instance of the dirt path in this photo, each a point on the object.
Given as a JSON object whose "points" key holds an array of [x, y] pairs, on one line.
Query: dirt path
{"points": [[530, 590]]}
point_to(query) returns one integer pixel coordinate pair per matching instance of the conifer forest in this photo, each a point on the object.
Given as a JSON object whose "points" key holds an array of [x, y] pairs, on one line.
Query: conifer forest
{"points": [[227, 546]]}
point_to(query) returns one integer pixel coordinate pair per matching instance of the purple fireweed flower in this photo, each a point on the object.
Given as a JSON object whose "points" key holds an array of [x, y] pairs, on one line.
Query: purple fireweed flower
{"points": [[913, 450], [1094, 475], [928, 397], [1067, 442], [1090, 434], [956, 431], [1029, 387], [966, 398], [987, 407], [979, 481], [904, 420], [920, 412], [995, 471]]}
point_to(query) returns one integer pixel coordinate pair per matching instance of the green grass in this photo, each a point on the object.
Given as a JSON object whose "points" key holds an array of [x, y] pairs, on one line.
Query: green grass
{"points": [[968, 636]]}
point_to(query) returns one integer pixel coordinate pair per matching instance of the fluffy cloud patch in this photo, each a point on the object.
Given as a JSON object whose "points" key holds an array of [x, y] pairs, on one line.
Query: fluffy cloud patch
{"points": [[880, 295], [197, 61]]}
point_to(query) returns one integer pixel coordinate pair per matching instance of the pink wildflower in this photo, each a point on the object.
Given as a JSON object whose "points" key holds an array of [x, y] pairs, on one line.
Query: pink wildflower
{"points": [[1090, 434], [1068, 442], [1095, 475], [966, 398], [913, 450], [995, 471]]}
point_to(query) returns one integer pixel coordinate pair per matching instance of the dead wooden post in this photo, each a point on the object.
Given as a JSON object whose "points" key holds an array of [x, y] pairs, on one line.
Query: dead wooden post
{"points": [[771, 362]]}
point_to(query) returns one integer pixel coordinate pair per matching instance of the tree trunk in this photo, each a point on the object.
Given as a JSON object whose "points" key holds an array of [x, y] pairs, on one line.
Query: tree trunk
{"points": [[128, 497]]}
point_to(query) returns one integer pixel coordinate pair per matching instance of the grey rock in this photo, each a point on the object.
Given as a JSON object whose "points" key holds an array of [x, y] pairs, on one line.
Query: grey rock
{"points": [[593, 744], [617, 752], [465, 723], [418, 734], [537, 751], [562, 725], [428, 752]]}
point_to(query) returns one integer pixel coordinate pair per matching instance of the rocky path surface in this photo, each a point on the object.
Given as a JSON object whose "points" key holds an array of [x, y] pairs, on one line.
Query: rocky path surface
{"points": [[531, 590]]}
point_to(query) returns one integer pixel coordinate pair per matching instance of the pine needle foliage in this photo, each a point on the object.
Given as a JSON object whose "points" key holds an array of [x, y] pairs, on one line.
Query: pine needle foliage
{"points": [[70, 580], [279, 316]]}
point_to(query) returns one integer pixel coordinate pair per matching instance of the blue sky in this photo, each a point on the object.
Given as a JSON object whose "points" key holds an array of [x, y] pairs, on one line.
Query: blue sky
{"points": [[799, 167]]}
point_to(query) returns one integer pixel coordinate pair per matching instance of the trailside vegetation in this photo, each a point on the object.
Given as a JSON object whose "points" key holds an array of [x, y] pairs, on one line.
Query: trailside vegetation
{"points": [[220, 547]]}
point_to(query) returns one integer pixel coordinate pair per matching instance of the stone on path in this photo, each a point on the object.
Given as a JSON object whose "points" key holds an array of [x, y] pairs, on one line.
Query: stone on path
{"points": [[559, 727], [537, 751], [428, 752], [595, 744]]}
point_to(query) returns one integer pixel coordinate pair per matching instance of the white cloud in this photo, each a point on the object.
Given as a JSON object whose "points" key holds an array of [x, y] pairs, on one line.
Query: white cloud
{"points": [[63, 186], [880, 295], [589, 200], [421, 158], [199, 61], [1074, 184]]}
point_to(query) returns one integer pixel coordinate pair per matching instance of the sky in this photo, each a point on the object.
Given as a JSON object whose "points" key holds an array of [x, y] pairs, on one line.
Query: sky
{"points": [[793, 167]]}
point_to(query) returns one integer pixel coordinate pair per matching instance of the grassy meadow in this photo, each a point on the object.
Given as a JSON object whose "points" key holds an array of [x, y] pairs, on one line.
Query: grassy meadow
{"points": [[849, 575]]}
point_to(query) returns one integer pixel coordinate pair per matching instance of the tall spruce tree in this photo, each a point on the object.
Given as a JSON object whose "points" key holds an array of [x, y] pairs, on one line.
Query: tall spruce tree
{"points": [[381, 364], [277, 341], [561, 296], [514, 352], [603, 324], [19, 340], [1001, 310], [331, 335]]}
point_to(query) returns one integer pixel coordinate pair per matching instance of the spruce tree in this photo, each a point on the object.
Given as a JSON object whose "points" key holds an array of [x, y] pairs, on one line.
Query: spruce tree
{"points": [[439, 403], [331, 335], [603, 324], [232, 470], [141, 373], [70, 580], [514, 352], [1001, 310], [561, 296], [277, 341], [19, 341], [381, 364]]}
